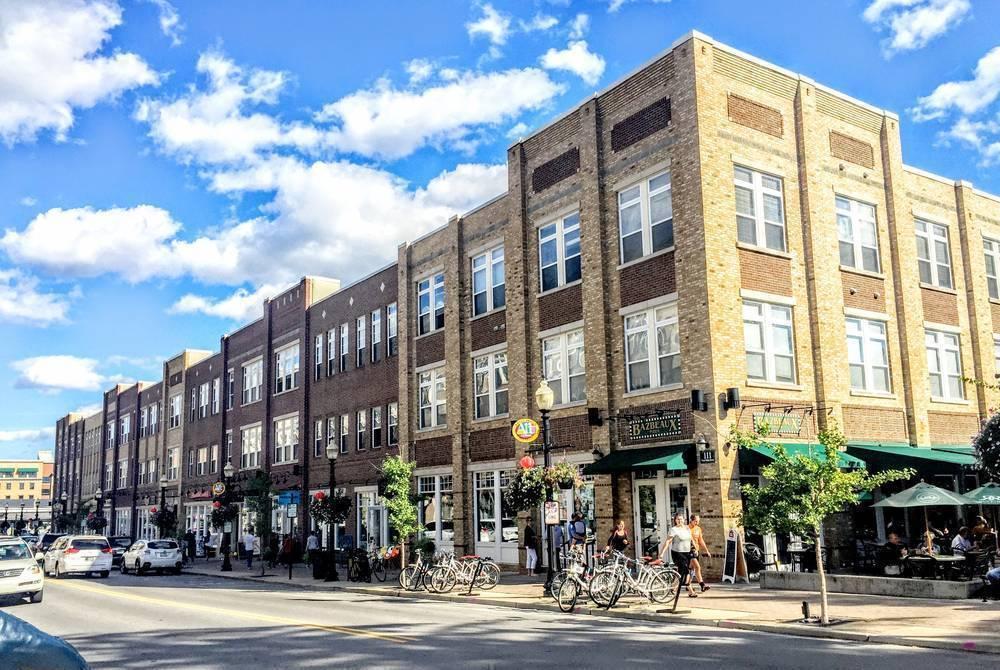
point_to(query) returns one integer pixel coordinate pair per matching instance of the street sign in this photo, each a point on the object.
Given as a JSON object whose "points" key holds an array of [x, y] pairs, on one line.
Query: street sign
{"points": [[218, 488], [654, 426], [293, 510], [551, 513], [289, 498], [227, 527], [525, 430]]}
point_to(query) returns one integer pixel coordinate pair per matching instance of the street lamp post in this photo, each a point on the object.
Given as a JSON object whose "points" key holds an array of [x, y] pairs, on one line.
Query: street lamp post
{"points": [[22, 512], [227, 564], [163, 495], [544, 399], [63, 499], [99, 497], [332, 451]]}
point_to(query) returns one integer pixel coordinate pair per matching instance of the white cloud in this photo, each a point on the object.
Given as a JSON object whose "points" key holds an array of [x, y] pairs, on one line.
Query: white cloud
{"points": [[170, 21], [29, 201], [243, 305], [388, 122], [913, 24], [419, 69], [29, 435], [576, 58], [57, 373], [969, 96], [579, 26], [519, 129], [21, 301], [51, 64], [539, 22], [615, 5], [87, 410], [493, 25]]}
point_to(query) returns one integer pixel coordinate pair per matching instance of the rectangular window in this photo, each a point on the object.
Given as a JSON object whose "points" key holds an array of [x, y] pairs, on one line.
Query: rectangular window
{"points": [[202, 460], [111, 434], [489, 384], [760, 210], [286, 369], [652, 348], [344, 347], [431, 400], [143, 421], [318, 357], [203, 400], [944, 365], [345, 431], [154, 418], [318, 438], [393, 423], [991, 248], [250, 447], [360, 342], [376, 335], [228, 455], [331, 431], [126, 428], [858, 235], [996, 357], [933, 254], [123, 473], [376, 427], [563, 365], [215, 395], [645, 217], [361, 419], [109, 470], [286, 439], [430, 304], [253, 380], [770, 347], [331, 352], [175, 411], [559, 252], [172, 464], [488, 282], [868, 355], [213, 458], [392, 329]]}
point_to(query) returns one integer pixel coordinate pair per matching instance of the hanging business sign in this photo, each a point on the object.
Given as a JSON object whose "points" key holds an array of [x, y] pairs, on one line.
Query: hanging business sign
{"points": [[654, 426], [218, 488], [551, 513], [525, 430]]}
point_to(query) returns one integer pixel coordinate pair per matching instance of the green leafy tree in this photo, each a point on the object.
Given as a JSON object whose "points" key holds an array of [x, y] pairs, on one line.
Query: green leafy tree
{"points": [[397, 500], [257, 494], [987, 446], [799, 492]]}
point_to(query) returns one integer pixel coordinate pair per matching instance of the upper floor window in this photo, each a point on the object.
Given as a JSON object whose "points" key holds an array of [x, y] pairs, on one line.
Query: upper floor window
{"points": [[991, 248], [331, 351], [559, 252], [230, 388], [154, 418], [376, 427], [215, 395], [111, 433], [361, 423], [123, 473], [646, 217], [286, 368], [489, 384], [393, 423], [392, 329], [250, 446], [227, 456], [318, 438], [858, 235], [488, 288], [944, 365], [203, 400], [344, 347], [868, 355], [933, 254], [143, 421], [172, 464], [202, 460], [213, 458], [126, 427], [345, 431], [652, 348], [770, 348], [174, 419], [430, 304], [360, 343], [331, 431], [318, 357], [760, 210], [286, 439], [193, 413], [563, 364], [431, 399], [376, 335], [253, 379]]}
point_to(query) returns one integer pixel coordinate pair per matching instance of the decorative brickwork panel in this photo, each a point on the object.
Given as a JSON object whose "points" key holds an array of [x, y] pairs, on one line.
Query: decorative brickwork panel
{"points": [[648, 279], [755, 115], [489, 330], [571, 433], [640, 125], [682, 407], [430, 349], [561, 307], [552, 172], [432, 451], [862, 292], [949, 428], [491, 445], [940, 307], [862, 422], [852, 150], [765, 272], [995, 309]]}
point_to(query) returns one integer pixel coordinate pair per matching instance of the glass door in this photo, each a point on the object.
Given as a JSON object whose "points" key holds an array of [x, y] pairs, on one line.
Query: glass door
{"points": [[649, 516]]}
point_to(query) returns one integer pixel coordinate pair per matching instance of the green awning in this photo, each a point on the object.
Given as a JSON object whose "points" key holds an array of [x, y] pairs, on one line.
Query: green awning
{"points": [[902, 453], [649, 458], [965, 449], [6, 469], [27, 469], [816, 451]]}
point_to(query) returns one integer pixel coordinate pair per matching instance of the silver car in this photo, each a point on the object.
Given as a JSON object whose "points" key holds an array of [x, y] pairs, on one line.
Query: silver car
{"points": [[84, 554], [156, 555], [20, 575]]}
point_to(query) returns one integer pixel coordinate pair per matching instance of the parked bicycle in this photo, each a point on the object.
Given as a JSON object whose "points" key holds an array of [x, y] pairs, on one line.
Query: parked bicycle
{"points": [[358, 566], [649, 579], [476, 571], [379, 560], [414, 576]]}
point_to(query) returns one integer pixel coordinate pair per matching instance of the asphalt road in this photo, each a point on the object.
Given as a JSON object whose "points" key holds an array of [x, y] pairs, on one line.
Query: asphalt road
{"points": [[200, 622]]}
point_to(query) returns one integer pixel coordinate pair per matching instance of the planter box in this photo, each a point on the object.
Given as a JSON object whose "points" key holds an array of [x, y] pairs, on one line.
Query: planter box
{"points": [[870, 585]]}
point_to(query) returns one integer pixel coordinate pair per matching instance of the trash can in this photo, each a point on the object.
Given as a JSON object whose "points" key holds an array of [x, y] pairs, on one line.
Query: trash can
{"points": [[320, 563]]}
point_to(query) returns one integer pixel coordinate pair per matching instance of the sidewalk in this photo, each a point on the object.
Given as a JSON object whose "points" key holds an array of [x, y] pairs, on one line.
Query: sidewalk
{"points": [[969, 625]]}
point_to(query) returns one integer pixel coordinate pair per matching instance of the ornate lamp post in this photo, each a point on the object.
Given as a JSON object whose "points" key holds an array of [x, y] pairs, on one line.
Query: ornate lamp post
{"points": [[99, 497], [332, 452], [37, 522], [544, 399], [163, 493], [63, 499], [227, 564], [22, 512]]}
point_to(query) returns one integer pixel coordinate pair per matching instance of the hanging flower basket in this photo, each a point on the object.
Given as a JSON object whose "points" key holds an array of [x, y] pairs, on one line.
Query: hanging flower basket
{"points": [[223, 514], [564, 476], [164, 519], [96, 523], [526, 490], [329, 509]]}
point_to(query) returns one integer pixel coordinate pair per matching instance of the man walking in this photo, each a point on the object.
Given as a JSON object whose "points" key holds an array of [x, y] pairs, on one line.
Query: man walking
{"points": [[189, 545], [249, 543]]}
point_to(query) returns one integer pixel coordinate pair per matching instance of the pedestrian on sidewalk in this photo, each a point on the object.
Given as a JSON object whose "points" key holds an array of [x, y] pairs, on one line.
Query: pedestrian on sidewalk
{"points": [[698, 549], [577, 531], [530, 555], [679, 542], [189, 545], [557, 545], [618, 540], [249, 543], [312, 544]]}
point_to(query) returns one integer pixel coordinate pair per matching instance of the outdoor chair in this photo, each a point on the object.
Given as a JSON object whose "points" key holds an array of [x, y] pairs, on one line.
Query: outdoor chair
{"points": [[977, 564]]}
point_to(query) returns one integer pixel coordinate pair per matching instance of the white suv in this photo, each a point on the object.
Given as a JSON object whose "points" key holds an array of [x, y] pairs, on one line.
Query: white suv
{"points": [[20, 575], [157, 555], [79, 553]]}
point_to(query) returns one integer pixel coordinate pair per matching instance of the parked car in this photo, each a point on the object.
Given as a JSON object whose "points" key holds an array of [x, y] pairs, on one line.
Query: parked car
{"points": [[119, 545], [46, 542], [79, 553], [156, 555], [20, 575]]}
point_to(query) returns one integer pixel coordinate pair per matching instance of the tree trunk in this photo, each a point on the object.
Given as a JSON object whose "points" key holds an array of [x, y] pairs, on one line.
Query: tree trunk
{"points": [[824, 617]]}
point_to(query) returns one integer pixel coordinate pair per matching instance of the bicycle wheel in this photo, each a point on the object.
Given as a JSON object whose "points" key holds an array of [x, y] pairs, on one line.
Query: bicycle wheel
{"points": [[489, 576], [442, 580], [557, 581], [406, 576], [353, 571], [378, 569], [568, 592], [661, 587], [602, 587]]}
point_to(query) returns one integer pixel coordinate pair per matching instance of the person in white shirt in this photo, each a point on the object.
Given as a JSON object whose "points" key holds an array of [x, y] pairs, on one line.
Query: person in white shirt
{"points": [[312, 543], [249, 544], [961, 543], [680, 542]]}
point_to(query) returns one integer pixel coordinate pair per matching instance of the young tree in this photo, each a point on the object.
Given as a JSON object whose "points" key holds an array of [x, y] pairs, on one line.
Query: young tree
{"points": [[987, 446], [799, 492], [257, 500], [402, 512]]}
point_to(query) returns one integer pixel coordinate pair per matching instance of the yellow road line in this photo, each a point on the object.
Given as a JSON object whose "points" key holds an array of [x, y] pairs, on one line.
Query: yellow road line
{"points": [[114, 593]]}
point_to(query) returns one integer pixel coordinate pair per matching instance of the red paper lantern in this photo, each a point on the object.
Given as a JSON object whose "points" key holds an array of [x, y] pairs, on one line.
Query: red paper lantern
{"points": [[216, 504], [526, 462], [319, 495], [152, 510]]}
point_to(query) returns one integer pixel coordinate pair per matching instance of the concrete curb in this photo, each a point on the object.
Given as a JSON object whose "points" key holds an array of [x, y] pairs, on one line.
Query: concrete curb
{"points": [[791, 629]]}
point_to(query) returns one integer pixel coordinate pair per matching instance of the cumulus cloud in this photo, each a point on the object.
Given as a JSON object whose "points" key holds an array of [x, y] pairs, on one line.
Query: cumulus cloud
{"points": [[576, 58], [23, 302], [420, 70], [579, 26], [495, 26], [539, 23], [57, 373], [51, 64], [912, 24], [28, 435], [615, 5], [243, 305], [170, 21]]}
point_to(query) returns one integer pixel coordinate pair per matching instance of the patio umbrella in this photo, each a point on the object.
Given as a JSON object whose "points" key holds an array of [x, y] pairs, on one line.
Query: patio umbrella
{"points": [[925, 495], [987, 494]]}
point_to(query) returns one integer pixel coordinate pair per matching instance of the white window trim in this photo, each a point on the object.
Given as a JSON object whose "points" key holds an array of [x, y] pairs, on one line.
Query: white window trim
{"points": [[652, 351], [435, 371], [247, 392], [768, 352], [855, 313], [360, 429], [760, 296], [938, 349], [297, 443], [296, 369], [560, 237], [432, 283], [491, 392], [757, 189], [995, 254], [564, 381], [487, 255], [854, 214], [933, 260], [645, 223], [867, 365], [260, 444]]}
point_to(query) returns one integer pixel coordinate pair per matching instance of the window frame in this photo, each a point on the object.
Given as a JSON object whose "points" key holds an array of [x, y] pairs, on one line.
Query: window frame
{"points": [[203, 400], [766, 325], [331, 351], [855, 216], [216, 395], [991, 254], [286, 379], [361, 329], [360, 428], [250, 459], [758, 190], [939, 350], [285, 452], [435, 380], [562, 349], [651, 329], [318, 439], [345, 432], [433, 288], [560, 229], [345, 346], [489, 260], [934, 264], [375, 424], [318, 350], [375, 325], [392, 423], [493, 393], [643, 199], [392, 329], [230, 388], [867, 347], [250, 392]]}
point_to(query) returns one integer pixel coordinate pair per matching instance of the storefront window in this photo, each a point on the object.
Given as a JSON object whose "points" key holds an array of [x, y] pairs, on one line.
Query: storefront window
{"points": [[437, 507]]}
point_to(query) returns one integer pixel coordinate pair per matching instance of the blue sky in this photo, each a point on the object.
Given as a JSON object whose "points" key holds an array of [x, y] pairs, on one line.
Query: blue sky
{"points": [[166, 165]]}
